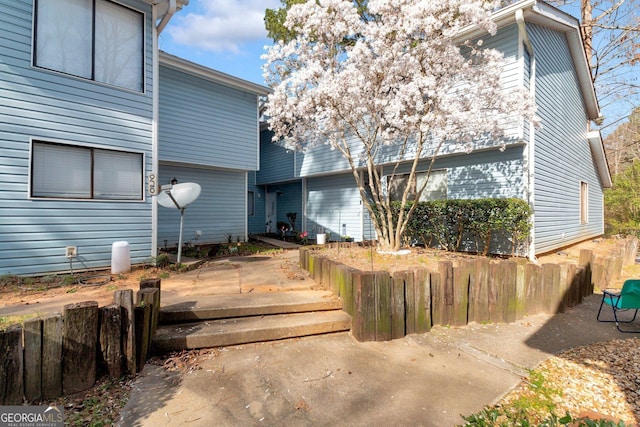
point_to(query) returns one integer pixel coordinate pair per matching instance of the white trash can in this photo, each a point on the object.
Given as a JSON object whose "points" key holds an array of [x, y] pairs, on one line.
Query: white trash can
{"points": [[321, 238], [120, 258]]}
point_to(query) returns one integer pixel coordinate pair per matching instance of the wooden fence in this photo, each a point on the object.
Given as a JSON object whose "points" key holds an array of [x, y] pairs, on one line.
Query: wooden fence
{"points": [[386, 306], [65, 353]]}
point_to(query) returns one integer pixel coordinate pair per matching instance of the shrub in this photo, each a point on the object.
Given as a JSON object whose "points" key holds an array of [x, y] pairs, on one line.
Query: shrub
{"points": [[447, 223]]}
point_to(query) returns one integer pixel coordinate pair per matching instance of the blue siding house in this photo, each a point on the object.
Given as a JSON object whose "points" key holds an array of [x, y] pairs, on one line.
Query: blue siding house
{"points": [[208, 134], [559, 168], [87, 114]]}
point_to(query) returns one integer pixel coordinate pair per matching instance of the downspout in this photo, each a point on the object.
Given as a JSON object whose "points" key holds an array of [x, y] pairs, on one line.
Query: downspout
{"points": [[530, 150], [156, 30], [154, 131], [167, 16]]}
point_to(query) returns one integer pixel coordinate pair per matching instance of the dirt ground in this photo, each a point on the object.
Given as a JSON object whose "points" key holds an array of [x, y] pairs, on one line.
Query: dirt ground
{"points": [[100, 285]]}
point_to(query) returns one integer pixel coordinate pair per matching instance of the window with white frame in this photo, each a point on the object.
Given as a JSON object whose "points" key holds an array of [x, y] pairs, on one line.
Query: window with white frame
{"points": [[436, 185], [584, 202], [74, 172], [94, 39]]}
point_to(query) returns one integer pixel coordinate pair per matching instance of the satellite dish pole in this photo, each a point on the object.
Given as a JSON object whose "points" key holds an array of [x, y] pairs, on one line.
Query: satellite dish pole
{"points": [[179, 196]]}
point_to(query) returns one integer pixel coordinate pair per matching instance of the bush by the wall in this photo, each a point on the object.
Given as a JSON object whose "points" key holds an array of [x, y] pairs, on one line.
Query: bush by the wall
{"points": [[448, 223]]}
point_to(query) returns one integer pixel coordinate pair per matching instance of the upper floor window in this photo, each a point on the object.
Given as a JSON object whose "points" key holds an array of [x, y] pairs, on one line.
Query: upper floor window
{"points": [[435, 189], [74, 172], [94, 39]]}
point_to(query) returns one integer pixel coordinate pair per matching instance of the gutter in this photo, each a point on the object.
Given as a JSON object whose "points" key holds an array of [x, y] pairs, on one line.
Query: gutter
{"points": [[600, 156], [529, 152], [173, 7]]}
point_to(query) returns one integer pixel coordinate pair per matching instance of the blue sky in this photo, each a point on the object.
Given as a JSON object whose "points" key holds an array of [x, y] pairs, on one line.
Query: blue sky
{"points": [[229, 36], [226, 35]]}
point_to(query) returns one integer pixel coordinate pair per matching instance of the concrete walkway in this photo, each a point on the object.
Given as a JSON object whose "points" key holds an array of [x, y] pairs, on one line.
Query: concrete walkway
{"points": [[421, 380]]}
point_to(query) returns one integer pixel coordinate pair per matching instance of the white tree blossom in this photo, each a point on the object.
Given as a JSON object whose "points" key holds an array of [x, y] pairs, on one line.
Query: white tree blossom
{"points": [[399, 78]]}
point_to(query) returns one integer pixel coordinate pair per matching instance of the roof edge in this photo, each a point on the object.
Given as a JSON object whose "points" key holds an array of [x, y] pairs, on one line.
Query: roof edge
{"points": [[184, 65], [600, 157]]}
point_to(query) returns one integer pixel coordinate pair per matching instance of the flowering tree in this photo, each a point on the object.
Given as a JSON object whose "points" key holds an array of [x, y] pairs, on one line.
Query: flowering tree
{"points": [[395, 76]]}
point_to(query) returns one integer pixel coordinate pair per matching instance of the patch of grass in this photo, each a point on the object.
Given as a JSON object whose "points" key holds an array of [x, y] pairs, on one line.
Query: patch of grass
{"points": [[17, 319], [99, 407], [534, 407], [72, 290]]}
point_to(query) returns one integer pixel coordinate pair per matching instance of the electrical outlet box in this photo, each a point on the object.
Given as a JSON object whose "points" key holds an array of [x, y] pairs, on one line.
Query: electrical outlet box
{"points": [[71, 251]]}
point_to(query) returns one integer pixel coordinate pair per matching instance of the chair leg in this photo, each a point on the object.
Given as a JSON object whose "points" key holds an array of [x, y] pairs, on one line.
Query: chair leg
{"points": [[600, 310], [618, 323]]}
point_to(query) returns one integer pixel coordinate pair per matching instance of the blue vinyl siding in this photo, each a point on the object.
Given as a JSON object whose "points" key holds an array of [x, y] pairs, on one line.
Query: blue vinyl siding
{"points": [[331, 202], [276, 162], [206, 123], [37, 104], [288, 200], [320, 160], [256, 222], [562, 154], [219, 211]]}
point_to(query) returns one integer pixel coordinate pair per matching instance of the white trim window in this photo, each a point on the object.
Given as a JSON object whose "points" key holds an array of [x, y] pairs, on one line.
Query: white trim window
{"points": [[74, 172], [436, 188], [94, 39], [584, 202]]}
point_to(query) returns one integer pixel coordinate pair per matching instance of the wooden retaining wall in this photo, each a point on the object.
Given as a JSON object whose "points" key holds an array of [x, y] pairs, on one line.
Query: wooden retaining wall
{"points": [[386, 306], [49, 357]]}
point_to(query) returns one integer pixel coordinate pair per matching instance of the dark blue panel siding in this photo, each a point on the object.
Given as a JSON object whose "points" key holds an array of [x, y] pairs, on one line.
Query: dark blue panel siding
{"points": [[41, 104], [256, 222], [276, 162]]}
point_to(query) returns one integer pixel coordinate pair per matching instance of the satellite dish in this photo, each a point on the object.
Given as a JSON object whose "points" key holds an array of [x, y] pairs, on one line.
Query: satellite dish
{"points": [[179, 195]]}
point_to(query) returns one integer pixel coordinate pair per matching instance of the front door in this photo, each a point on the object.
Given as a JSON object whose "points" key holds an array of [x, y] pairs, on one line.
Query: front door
{"points": [[271, 212]]}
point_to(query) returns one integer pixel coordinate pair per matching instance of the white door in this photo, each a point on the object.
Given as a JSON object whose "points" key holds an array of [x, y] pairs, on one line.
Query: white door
{"points": [[271, 212]]}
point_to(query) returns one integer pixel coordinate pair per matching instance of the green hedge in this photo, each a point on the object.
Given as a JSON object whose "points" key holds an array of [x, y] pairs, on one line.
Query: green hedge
{"points": [[445, 223]]}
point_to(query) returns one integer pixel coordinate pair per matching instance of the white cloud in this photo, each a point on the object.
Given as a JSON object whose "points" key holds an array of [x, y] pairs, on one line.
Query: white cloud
{"points": [[221, 25]]}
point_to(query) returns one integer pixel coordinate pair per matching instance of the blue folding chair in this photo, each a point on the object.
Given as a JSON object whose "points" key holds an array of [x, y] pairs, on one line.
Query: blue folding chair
{"points": [[627, 299]]}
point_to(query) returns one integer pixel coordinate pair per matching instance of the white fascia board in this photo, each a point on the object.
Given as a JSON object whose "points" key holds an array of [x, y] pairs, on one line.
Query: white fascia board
{"points": [[211, 74], [600, 157]]}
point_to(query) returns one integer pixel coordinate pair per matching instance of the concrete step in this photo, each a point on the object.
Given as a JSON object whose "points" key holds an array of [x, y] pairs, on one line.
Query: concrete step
{"points": [[247, 304], [234, 331]]}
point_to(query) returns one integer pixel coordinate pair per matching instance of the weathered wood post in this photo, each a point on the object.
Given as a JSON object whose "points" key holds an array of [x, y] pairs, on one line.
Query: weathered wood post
{"points": [[155, 283], [460, 303], [11, 366], [142, 315], [150, 297], [79, 346], [479, 291], [418, 302], [124, 299], [52, 327], [33, 360], [111, 340]]}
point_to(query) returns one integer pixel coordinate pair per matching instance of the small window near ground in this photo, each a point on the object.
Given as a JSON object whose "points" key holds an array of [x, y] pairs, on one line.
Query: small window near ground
{"points": [[251, 203], [584, 202], [435, 189], [73, 172]]}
